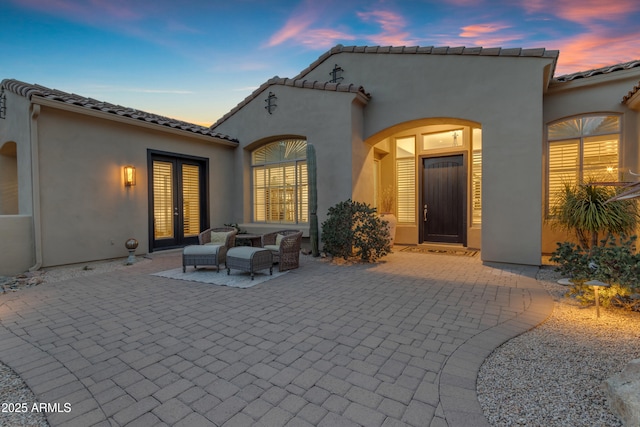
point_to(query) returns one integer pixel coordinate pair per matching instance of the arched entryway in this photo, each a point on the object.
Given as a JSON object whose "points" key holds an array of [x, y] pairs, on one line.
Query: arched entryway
{"points": [[433, 168], [9, 179]]}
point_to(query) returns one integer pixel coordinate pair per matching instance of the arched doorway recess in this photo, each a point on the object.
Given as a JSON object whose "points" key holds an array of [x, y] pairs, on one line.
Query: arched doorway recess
{"points": [[433, 167]]}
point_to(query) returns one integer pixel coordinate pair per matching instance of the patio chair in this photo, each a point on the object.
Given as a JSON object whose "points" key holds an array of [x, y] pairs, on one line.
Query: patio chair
{"points": [[285, 247], [212, 250]]}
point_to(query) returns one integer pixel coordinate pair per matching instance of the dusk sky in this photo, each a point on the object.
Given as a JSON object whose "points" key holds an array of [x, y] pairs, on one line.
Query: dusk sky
{"points": [[194, 60]]}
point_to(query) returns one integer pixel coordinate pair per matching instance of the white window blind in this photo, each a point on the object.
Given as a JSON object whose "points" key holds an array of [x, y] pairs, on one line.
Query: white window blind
{"points": [[476, 188], [563, 167], [163, 199], [191, 199], [406, 190], [280, 183], [582, 149]]}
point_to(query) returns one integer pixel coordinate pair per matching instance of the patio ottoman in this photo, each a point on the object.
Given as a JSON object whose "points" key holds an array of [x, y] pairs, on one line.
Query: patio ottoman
{"points": [[249, 259], [203, 255]]}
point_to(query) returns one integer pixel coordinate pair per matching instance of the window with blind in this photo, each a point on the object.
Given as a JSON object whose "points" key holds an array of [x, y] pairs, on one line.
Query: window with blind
{"points": [[406, 180], [476, 177], [163, 200], [280, 184], [582, 149], [191, 199]]}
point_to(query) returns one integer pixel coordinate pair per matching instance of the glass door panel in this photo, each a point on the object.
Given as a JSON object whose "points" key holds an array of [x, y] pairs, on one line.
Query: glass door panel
{"points": [[163, 201]]}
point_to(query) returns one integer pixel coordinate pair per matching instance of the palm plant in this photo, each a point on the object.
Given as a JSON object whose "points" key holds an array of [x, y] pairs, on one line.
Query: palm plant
{"points": [[583, 209]]}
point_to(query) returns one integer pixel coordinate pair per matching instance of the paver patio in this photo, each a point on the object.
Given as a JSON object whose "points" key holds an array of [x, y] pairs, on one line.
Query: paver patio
{"points": [[395, 343]]}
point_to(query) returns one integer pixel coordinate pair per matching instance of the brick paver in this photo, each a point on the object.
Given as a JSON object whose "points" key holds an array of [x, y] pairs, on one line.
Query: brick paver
{"points": [[390, 344]]}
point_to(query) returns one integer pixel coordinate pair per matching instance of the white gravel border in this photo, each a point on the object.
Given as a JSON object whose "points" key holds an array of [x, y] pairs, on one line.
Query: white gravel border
{"points": [[552, 375]]}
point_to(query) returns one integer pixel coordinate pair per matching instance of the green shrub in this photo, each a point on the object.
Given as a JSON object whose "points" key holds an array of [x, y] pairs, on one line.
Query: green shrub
{"points": [[613, 262], [354, 229], [584, 210]]}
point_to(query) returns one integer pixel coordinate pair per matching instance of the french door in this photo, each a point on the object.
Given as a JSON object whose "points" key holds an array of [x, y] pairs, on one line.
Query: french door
{"points": [[178, 207], [444, 187]]}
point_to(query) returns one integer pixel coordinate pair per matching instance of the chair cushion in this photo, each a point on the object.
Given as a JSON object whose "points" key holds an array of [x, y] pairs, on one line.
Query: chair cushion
{"points": [[207, 249], [279, 238], [219, 237], [274, 248]]}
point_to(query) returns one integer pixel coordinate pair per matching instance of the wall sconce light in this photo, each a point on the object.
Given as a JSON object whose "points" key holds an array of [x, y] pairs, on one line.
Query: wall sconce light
{"points": [[271, 102], [129, 176]]}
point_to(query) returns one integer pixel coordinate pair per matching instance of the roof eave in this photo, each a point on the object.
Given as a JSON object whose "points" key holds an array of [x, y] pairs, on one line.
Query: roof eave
{"points": [[356, 90], [39, 100], [633, 100]]}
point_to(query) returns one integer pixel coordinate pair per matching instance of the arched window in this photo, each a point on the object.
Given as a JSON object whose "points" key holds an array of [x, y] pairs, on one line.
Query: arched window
{"points": [[8, 179], [280, 186], [582, 149]]}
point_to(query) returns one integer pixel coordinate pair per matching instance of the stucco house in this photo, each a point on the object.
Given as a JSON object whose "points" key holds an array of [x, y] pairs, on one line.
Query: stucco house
{"points": [[474, 143]]}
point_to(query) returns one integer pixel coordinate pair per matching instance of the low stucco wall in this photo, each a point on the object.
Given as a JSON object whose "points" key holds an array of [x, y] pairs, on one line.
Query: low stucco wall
{"points": [[16, 245]]}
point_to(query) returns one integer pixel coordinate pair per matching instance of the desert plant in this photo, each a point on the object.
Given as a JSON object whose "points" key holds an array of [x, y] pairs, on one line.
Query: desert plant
{"points": [[313, 199], [614, 262], [354, 229], [583, 209], [388, 197]]}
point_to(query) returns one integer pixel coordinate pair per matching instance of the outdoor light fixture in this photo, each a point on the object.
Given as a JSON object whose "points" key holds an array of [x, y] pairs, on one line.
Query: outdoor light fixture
{"points": [[597, 284], [129, 176], [271, 102]]}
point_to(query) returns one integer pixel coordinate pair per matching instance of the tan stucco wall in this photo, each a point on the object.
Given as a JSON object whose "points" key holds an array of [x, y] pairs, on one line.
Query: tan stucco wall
{"points": [[502, 94], [325, 119], [17, 250], [16, 244], [599, 94], [8, 179], [86, 212], [16, 128]]}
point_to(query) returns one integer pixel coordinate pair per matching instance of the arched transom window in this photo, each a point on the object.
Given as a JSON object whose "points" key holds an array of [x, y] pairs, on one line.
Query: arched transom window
{"points": [[582, 149], [280, 186]]}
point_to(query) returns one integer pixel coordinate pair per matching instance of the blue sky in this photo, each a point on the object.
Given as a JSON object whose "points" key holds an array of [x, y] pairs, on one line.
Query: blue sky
{"points": [[195, 60]]}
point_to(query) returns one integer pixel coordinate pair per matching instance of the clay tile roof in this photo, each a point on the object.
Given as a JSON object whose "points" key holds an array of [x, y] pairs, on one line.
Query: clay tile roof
{"points": [[299, 83], [598, 71], [30, 90], [430, 50], [632, 92]]}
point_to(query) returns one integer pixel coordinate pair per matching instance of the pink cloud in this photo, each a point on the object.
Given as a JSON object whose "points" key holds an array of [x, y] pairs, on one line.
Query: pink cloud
{"points": [[324, 38], [294, 27], [585, 11], [479, 30], [595, 50], [392, 28]]}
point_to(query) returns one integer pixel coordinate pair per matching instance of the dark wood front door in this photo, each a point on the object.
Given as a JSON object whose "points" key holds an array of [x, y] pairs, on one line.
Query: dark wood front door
{"points": [[178, 206], [444, 187]]}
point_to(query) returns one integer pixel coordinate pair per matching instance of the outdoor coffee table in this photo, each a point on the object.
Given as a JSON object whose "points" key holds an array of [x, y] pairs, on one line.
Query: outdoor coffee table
{"points": [[249, 259]]}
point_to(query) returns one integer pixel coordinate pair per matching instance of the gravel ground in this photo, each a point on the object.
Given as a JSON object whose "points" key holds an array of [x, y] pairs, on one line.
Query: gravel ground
{"points": [[552, 375], [549, 376]]}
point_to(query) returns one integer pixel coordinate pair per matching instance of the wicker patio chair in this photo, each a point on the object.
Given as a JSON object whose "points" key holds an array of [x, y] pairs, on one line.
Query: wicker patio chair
{"points": [[205, 236], [285, 247], [210, 252]]}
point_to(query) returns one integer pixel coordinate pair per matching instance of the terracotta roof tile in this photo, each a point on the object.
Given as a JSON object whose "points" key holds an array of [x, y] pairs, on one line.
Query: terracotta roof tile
{"points": [[632, 92], [598, 71], [430, 50], [299, 83], [30, 90]]}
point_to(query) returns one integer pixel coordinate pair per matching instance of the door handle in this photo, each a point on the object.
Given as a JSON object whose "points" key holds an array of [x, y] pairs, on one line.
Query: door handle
{"points": [[424, 212]]}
